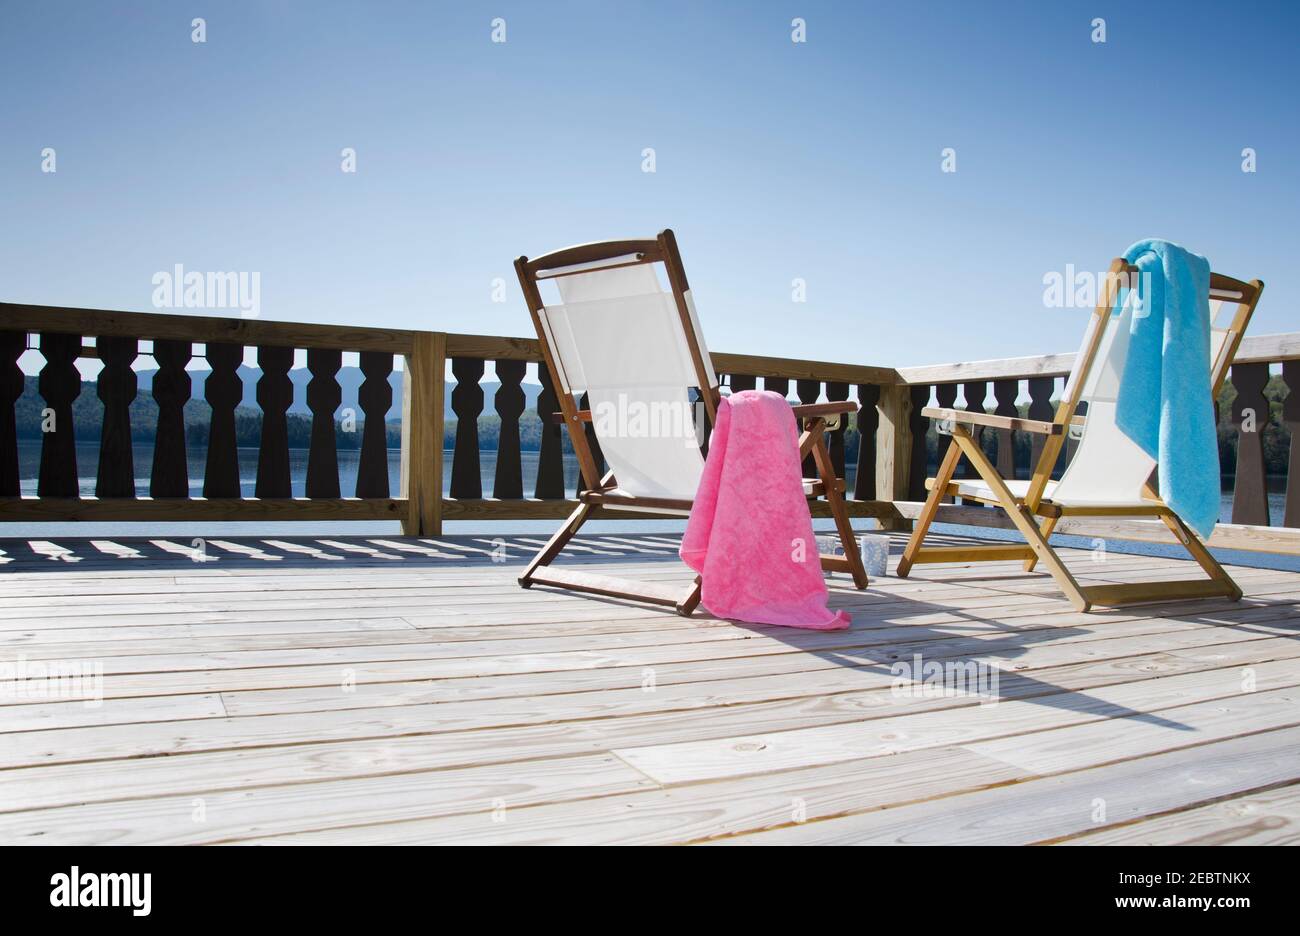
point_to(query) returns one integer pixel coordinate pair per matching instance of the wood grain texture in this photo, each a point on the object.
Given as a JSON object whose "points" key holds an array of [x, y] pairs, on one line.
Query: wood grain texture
{"points": [[203, 329], [423, 388], [384, 689]]}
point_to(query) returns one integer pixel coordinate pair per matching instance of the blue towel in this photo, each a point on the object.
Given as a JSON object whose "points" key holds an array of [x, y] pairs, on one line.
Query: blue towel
{"points": [[1164, 402]]}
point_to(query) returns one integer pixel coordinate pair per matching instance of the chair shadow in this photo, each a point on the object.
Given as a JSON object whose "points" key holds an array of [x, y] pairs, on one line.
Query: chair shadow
{"points": [[901, 655]]}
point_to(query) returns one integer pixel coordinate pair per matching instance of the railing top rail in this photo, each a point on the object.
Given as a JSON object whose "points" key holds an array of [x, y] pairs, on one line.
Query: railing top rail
{"points": [[491, 347], [1259, 349], [256, 332], [201, 328]]}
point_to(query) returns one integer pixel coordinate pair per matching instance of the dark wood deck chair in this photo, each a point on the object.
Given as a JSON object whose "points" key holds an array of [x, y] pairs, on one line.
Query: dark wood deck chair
{"points": [[1109, 476], [618, 337]]}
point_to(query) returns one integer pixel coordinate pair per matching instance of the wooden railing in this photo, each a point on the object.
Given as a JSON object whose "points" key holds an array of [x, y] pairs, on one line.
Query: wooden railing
{"points": [[808, 380], [1039, 379], [891, 459], [118, 339]]}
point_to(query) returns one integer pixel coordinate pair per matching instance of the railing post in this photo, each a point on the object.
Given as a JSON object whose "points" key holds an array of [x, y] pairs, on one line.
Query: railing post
{"points": [[1291, 418], [422, 433], [894, 449]]}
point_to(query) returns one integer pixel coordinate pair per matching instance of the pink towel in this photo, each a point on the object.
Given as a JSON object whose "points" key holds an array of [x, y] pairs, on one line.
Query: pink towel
{"points": [[750, 535]]}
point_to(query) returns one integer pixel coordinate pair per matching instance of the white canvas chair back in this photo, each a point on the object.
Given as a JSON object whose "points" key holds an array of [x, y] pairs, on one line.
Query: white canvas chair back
{"points": [[1108, 467], [617, 336]]}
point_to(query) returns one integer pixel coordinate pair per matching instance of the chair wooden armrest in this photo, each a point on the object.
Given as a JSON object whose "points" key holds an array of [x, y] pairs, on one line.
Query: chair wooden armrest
{"points": [[834, 408], [803, 411], [993, 420]]}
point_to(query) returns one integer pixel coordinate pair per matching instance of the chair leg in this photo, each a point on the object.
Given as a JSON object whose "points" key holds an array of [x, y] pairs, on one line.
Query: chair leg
{"points": [[556, 543], [1023, 520], [692, 600], [835, 500], [946, 469], [1049, 524], [1202, 555]]}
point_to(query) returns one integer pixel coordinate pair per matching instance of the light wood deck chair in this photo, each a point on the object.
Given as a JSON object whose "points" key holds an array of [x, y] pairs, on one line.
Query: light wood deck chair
{"points": [[618, 337], [1109, 476]]}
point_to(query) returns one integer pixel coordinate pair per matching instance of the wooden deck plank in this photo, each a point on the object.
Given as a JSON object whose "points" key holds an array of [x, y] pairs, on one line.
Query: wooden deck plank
{"points": [[383, 689], [57, 785], [856, 646], [687, 814], [693, 761], [1051, 808], [1269, 817], [490, 793]]}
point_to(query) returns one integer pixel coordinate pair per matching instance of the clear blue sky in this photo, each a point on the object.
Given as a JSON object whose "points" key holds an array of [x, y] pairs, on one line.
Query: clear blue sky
{"points": [[775, 160]]}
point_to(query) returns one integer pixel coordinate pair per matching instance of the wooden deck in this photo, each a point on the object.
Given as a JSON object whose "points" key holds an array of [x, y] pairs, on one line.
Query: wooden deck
{"points": [[388, 690]]}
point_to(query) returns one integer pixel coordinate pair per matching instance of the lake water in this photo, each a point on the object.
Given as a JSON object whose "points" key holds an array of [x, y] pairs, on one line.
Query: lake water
{"points": [[88, 461]]}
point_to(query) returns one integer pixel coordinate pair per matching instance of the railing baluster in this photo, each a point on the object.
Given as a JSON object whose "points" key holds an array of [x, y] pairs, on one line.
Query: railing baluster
{"points": [[375, 399], [467, 404], [116, 388], [919, 466], [550, 455], [1071, 443], [12, 346], [838, 392], [1291, 418], [170, 474], [864, 485], [945, 396], [589, 430], [223, 390], [274, 396], [1250, 412], [509, 403], [742, 382], [60, 385], [975, 393], [809, 391], [1005, 392], [1040, 408], [779, 385], [323, 398]]}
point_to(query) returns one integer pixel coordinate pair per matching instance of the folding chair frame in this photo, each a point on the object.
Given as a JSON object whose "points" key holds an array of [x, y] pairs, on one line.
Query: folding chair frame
{"points": [[1023, 511], [599, 494]]}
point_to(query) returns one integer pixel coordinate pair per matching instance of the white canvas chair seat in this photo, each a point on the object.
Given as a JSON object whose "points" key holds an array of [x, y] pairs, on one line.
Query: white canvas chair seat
{"points": [[617, 337], [1109, 474]]}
